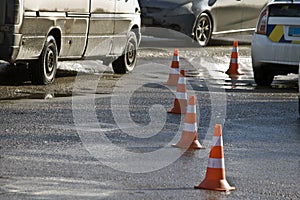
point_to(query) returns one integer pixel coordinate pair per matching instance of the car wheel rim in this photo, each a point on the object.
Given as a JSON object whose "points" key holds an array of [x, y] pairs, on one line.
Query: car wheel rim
{"points": [[50, 62], [203, 31], [131, 54]]}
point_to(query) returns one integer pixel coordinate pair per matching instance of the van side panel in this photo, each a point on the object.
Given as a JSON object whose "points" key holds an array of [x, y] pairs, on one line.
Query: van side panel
{"points": [[74, 35], [9, 25], [101, 28], [82, 28], [126, 12], [80, 6], [68, 19], [33, 32]]}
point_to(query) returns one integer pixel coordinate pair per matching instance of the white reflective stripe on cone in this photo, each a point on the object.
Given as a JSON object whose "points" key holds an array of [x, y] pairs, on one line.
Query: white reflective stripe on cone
{"points": [[234, 49], [175, 71], [233, 60], [190, 127], [217, 163], [176, 58], [191, 109], [181, 80], [217, 141], [181, 95]]}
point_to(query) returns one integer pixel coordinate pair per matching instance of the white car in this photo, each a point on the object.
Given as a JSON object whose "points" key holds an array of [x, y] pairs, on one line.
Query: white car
{"points": [[276, 41]]}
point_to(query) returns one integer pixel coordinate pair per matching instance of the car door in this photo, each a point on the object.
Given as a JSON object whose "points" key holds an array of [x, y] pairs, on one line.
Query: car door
{"points": [[227, 15], [124, 17], [101, 28], [251, 11]]}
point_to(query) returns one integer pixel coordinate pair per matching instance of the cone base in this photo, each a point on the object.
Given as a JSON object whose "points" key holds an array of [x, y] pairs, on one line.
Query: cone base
{"points": [[179, 106], [175, 111], [233, 73], [218, 185], [194, 146]]}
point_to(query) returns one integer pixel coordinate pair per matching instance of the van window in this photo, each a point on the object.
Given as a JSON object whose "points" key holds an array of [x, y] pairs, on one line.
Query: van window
{"points": [[9, 13]]}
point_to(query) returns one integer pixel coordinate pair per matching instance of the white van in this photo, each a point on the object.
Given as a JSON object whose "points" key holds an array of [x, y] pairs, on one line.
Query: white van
{"points": [[39, 33]]}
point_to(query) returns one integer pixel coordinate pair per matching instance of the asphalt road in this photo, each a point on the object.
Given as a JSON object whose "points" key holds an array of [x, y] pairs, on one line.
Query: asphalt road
{"points": [[97, 135]]}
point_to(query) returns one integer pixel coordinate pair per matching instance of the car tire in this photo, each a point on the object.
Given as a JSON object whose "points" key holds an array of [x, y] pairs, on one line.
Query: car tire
{"points": [[127, 61], [44, 69], [203, 29], [262, 77]]}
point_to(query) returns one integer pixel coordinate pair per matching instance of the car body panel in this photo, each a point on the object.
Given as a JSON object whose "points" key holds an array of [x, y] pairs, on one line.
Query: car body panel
{"points": [[228, 16], [250, 11], [278, 51], [230, 13], [264, 51]]}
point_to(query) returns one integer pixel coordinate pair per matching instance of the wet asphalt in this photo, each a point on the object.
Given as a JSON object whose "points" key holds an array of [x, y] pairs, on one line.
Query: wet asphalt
{"points": [[96, 135]]}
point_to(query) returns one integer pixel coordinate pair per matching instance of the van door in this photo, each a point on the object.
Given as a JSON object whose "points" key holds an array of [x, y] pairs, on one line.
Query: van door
{"points": [[125, 15], [66, 20], [101, 28]]}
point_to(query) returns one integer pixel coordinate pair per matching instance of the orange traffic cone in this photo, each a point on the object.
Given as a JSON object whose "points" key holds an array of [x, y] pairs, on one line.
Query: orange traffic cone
{"points": [[215, 173], [180, 101], [234, 65], [174, 74], [189, 136]]}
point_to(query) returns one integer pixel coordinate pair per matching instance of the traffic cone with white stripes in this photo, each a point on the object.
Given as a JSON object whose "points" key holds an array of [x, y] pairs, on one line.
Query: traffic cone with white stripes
{"points": [[215, 173], [189, 136], [174, 74], [234, 63], [180, 101]]}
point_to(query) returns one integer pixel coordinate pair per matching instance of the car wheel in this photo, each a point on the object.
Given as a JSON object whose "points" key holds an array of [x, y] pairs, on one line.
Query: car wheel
{"points": [[203, 29], [127, 61], [262, 77], [44, 69]]}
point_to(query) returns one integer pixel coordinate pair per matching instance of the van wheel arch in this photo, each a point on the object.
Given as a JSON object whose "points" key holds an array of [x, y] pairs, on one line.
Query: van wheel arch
{"points": [[127, 61], [56, 33], [43, 70]]}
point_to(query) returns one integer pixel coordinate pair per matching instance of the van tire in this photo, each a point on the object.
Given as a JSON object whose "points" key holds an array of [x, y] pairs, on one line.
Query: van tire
{"points": [[44, 69], [127, 61]]}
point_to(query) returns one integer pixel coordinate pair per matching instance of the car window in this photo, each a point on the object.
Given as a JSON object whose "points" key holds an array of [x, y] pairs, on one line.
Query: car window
{"points": [[290, 10]]}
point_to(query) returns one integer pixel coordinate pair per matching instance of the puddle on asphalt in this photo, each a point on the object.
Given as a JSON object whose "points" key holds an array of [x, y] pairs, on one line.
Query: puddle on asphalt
{"points": [[237, 82], [19, 95], [192, 73], [287, 85]]}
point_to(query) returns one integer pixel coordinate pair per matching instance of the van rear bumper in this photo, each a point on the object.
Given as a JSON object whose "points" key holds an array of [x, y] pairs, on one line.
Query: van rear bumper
{"points": [[10, 47]]}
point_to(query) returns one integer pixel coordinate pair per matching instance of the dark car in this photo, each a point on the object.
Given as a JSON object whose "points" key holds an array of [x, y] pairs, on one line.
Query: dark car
{"points": [[202, 19]]}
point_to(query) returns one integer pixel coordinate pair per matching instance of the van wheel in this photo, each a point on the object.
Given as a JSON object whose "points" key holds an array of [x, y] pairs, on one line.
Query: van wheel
{"points": [[262, 77], [127, 61], [44, 69]]}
